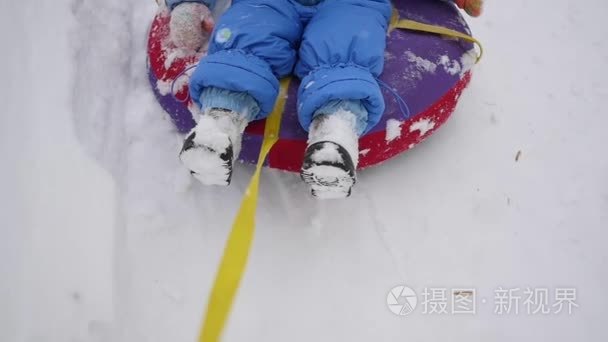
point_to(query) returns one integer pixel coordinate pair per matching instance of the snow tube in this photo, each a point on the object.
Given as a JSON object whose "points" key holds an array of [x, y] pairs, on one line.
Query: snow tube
{"points": [[426, 71]]}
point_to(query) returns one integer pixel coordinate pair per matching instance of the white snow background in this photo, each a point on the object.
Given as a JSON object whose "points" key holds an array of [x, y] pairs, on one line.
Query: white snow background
{"points": [[104, 237]]}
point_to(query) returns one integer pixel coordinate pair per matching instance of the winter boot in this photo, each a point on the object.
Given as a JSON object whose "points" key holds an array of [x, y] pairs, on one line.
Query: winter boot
{"points": [[332, 155], [213, 145]]}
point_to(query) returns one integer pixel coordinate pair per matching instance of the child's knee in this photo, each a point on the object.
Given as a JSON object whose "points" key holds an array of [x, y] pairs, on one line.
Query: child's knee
{"points": [[269, 32], [361, 44], [345, 82]]}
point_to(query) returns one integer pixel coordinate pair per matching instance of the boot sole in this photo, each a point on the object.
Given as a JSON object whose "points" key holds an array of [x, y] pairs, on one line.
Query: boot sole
{"points": [[207, 165], [328, 179]]}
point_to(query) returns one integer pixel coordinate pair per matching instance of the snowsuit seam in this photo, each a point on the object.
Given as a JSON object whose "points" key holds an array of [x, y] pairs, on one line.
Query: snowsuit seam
{"points": [[336, 66], [247, 55]]}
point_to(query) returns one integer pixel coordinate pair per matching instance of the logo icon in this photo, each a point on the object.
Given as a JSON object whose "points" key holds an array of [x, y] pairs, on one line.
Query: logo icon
{"points": [[223, 35], [401, 300]]}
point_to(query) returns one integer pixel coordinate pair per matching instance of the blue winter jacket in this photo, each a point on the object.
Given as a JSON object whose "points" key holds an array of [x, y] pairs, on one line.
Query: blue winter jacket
{"points": [[336, 47]]}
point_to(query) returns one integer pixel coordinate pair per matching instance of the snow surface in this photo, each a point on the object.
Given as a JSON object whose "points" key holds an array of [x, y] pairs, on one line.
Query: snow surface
{"points": [[105, 237]]}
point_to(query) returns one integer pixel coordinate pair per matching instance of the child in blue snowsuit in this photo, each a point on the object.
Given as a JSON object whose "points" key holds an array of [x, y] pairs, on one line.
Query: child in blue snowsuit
{"points": [[336, 47]]}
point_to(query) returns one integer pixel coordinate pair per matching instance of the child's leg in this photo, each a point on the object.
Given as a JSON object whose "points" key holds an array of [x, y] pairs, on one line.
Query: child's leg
{"points": [[341, 54], [251, 47]]}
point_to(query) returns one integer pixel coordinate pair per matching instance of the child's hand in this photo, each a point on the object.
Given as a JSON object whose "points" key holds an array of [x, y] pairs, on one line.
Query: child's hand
{"points": [[191, 25], [472, 7]]}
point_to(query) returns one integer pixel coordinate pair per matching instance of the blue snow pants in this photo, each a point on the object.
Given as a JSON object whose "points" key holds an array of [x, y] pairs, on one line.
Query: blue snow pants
{"points": [[336, 47]]}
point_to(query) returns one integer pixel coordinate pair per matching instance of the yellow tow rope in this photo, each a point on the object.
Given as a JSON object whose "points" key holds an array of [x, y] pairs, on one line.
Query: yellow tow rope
{"points": [[238, 246], [236, 252], [412, 25]]}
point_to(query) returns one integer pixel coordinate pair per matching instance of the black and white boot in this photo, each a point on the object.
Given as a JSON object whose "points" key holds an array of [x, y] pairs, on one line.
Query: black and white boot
{"points": [[332, 155], [211, 148]]}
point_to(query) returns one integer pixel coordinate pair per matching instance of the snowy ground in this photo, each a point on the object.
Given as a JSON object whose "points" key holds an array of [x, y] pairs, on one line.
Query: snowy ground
{"points": [[105, 237]]}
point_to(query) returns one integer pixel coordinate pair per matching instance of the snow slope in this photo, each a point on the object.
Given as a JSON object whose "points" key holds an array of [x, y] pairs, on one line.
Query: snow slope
{"points": [[57, 205], [106, 238]]}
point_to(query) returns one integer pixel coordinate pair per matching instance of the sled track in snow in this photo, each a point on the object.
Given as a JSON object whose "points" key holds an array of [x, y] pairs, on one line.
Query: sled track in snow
{"points": [[103, 43], [120, 124]]}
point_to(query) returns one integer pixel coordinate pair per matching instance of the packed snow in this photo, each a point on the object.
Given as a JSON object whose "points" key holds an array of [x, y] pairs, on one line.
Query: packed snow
{"points": [[393, 129], [107, 238], [423, 126], [328, 154], [421, 63], [450, 66], [340, 128], [467, 61]]}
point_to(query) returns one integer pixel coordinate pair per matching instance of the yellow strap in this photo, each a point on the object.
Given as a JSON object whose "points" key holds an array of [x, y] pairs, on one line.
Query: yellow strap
{"points": [[412, 25], [236, 251]]}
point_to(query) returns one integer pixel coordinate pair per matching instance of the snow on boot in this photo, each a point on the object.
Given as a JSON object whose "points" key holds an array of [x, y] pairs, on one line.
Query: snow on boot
{"points": [[213, 145], [332, 156]]}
